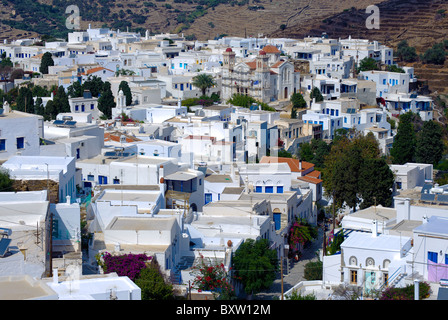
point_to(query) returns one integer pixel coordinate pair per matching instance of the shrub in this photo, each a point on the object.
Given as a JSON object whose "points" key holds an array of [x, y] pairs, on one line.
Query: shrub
{"points": [[128, 265], [406, 293]]}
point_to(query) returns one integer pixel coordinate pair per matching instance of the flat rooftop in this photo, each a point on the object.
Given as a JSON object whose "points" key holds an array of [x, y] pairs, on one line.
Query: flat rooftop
{"points": [[142, 223], [24, 288]]}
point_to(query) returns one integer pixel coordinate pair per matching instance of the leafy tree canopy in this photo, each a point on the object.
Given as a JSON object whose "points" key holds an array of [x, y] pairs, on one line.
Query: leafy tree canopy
{"points": [[255, 265]]}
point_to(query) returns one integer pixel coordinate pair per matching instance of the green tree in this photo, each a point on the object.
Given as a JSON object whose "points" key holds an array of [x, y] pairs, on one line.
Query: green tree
{"points": [[255, 265], [152, 283], [47, 61], [93, 84], [106, 101], [75, 90], [403, 147], [352, 170], [124, 86], [38, 107], [368, 64], [61, 101], [51, 111], [203, 82], [313, 271], [376, 181], [434, 55], [297, 100], [6, 183], [25, 102], [315, 152], [306, 152], [394, 68], [429, 145], [315, 93], [405, 52]]}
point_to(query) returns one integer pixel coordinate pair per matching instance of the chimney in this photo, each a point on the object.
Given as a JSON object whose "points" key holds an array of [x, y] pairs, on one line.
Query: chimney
{"points": [[374, 228], [55, 276]]}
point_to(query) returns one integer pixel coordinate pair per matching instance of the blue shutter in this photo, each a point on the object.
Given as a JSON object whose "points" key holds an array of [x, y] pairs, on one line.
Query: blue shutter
{"points": [[432, 256]]}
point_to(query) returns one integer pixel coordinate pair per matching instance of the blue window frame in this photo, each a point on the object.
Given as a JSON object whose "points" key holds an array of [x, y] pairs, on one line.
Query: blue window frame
{"points": [[2, 144], [432, 256], [90, 177], [20, 143], [280, 189], [102, 179], [208, 197], [259, 189], [269, 189]]}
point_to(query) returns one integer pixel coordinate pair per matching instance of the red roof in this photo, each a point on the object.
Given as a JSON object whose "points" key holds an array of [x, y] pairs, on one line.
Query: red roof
{"points": [[310, 179], [116, 138], [229, 50], [93, 70], [271, 49], [294, 164], [262, 53], [278, 64], [252, 65]]}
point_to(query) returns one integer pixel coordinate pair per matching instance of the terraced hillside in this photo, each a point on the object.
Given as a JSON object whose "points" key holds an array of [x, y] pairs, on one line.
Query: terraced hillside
{"points": [[421, 23], [201, 19]]}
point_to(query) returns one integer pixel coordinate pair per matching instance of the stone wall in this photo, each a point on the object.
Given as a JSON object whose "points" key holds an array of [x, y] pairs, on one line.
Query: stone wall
{"points": [[38, 185]]}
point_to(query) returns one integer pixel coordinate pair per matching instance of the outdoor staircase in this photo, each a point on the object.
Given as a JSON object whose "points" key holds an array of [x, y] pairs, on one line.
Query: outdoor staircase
{"points": [[185, 263]]}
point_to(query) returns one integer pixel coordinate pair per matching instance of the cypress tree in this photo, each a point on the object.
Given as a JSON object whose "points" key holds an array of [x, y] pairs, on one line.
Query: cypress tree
{"points": [[124, 86], [47, 61], [106, 101], [403, 147], [429, 146]]}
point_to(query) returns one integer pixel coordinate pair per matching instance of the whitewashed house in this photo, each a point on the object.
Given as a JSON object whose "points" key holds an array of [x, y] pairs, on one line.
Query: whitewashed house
{"points": [[20, 133], [61, 170]]}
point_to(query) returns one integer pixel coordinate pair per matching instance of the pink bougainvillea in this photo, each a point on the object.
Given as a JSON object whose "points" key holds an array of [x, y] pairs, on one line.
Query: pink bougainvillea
{"points": [[128, 265]]}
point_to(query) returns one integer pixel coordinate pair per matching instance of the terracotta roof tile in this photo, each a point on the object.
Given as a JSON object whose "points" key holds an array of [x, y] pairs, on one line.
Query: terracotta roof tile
{"points": [[252, 65], [314, 174], [310, 179], [93, 70], [278, 64], [294, 164], [270, 49]]}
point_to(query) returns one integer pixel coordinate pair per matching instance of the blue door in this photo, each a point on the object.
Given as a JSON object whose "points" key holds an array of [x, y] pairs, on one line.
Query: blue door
{"points": [[102, 179], [208, 198], [277, 220]]}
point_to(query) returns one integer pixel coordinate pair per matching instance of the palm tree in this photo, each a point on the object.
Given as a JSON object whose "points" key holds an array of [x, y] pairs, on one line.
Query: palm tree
{"points": [[203, 81]]}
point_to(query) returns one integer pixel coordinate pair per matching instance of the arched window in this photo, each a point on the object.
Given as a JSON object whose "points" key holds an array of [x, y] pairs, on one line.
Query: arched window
{"points": [[353, 261], [370, 262]]}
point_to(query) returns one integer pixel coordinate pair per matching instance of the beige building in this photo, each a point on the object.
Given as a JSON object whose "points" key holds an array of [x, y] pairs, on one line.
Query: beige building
{"points": [[266, 78]]}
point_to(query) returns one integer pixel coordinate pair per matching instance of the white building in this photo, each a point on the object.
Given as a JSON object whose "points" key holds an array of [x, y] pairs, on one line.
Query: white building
{"points": [[388, 82], [61, 170], [25, 223], [430, 248], [20, 133], [370, 260], [411, 175]]}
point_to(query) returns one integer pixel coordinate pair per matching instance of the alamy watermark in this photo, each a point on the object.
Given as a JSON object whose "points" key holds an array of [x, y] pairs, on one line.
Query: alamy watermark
{"points": [[73, 21], [373, 21]]}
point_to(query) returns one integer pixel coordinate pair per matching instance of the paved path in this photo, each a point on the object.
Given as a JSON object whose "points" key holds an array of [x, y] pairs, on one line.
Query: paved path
{"points": [[295, 274]]}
